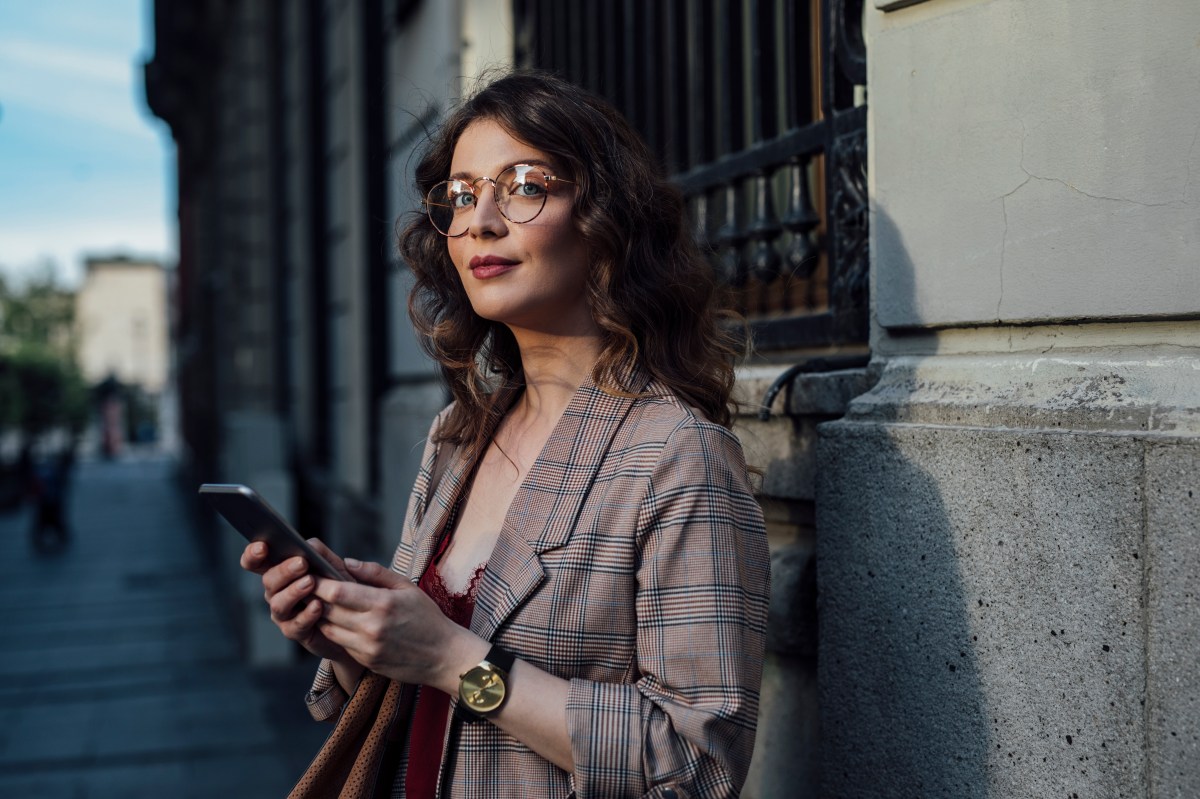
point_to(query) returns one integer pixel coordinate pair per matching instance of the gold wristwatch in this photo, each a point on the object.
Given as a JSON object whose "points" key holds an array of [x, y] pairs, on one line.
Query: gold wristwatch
{"points": [[483, 688]]}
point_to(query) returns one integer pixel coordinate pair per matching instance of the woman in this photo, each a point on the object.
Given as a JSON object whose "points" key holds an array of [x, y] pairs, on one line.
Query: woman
{"points": [[582, 515]]}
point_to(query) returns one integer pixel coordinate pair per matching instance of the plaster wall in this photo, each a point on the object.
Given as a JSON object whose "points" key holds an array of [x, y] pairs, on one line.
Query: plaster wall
{"points": [[1035, 161]]}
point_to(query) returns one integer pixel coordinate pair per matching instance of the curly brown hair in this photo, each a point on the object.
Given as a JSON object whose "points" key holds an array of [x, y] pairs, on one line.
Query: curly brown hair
{"points": [[652, 294]]}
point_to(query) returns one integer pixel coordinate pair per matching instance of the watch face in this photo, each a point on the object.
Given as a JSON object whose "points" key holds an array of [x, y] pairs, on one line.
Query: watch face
{"points": [[482, 689]]}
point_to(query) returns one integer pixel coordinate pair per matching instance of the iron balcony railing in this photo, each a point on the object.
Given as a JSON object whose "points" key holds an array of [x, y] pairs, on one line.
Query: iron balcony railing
{"points": [[757, 107]]}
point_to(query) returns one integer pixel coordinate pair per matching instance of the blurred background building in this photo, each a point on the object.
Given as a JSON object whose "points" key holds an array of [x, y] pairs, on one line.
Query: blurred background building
{"points": [[966, 235], [122, 334], [121, 322]]}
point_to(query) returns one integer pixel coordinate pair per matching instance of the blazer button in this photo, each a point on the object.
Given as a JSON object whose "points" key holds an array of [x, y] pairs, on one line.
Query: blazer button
{"points": [[669, 793]]}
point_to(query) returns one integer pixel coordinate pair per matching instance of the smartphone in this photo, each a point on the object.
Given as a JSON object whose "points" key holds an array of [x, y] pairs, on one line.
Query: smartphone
{"points": [[256, 520]]}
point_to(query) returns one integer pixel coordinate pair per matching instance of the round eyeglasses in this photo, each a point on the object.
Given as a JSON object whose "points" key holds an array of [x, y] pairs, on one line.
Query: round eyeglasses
{"points": [[520, 192]]}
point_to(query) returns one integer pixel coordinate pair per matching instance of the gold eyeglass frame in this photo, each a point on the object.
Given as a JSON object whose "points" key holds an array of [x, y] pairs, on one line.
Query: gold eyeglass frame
{"points": [[500, 206]]}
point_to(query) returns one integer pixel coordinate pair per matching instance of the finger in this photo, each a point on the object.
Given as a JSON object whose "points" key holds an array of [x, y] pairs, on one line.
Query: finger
{"points": [[254, 557], [337, 634], [350, 596], [335, 560], [303, 625], [284, 574], [284, 603], [374, 574], [359, 622]]}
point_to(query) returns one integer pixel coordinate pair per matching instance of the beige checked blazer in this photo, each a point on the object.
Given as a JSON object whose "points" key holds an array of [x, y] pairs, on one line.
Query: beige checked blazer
{"points": [[633, 562]]}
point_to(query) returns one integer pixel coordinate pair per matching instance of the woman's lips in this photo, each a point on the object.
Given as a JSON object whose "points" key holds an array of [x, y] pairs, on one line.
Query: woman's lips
{"points": [[485, 266]]}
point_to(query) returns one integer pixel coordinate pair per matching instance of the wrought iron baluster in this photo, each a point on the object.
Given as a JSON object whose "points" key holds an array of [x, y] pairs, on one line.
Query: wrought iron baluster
{"points": [[800, 220], [729, 240], [764, 260]]}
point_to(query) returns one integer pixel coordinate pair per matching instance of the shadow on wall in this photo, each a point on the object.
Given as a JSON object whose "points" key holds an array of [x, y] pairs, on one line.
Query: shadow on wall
{"points": [[902, 707]]}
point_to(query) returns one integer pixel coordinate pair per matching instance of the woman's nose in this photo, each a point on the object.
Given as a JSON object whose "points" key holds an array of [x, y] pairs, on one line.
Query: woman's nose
{"points": [[486, 218]]}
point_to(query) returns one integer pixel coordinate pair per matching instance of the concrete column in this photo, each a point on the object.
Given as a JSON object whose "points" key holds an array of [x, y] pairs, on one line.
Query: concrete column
{"points": [[1002, 551]]}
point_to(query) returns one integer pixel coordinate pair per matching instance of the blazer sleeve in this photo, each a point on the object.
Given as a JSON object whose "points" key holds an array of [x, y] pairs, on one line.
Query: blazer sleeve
{"points": [[688, 722]]}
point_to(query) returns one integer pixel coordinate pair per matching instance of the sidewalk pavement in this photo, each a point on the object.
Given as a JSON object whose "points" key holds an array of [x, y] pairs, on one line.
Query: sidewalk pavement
{"points": [[119, 676]]}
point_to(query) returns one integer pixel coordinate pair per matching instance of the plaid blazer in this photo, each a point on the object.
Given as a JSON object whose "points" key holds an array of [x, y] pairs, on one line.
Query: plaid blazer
{"points": [[632, 562]]}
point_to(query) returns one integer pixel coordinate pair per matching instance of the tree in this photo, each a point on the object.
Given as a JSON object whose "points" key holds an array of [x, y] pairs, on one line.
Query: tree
{"points": [[41, 387], [37, 313]]}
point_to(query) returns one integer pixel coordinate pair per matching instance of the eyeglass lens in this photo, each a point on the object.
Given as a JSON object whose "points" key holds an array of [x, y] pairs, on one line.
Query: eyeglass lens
{"points": [[520, 193]]}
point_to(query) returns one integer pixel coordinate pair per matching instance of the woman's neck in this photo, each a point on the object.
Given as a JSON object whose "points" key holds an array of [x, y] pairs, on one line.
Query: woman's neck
{"points": [[553, 368]]}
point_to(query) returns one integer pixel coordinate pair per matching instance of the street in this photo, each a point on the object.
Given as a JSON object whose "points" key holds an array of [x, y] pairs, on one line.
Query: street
{"points": [[119, 676]]}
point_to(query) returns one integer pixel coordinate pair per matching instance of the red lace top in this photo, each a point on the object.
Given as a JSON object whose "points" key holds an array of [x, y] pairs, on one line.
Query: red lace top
{"points": [[432, 710]]}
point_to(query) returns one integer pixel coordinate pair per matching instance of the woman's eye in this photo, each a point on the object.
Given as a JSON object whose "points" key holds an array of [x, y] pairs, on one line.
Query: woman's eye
{"points": [[528, 188], [462, 200]]}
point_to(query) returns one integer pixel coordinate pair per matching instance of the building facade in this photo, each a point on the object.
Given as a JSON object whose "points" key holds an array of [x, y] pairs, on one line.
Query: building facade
{"points": [[121, 323], [965, 237]]}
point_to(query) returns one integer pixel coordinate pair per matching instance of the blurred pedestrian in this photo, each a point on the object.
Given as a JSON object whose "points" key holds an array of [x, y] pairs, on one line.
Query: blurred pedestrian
{"points": [[50, 481]]}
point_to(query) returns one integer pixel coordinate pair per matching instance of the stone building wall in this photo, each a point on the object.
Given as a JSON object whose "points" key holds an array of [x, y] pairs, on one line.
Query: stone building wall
{"points": [[1007, 523]]}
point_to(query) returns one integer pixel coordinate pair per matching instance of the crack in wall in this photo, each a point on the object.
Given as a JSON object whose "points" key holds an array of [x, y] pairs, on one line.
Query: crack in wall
{"points": [[1004, 212], [1030, 176], [1099, 196]]}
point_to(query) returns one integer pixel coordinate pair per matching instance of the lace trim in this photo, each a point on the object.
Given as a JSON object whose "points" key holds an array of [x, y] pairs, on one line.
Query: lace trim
{"points": [[458, 605]]}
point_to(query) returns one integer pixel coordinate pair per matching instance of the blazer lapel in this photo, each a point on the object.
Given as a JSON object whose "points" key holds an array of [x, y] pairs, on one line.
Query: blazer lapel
{"points": [[437, 513], [544, 511], [440, 506]]}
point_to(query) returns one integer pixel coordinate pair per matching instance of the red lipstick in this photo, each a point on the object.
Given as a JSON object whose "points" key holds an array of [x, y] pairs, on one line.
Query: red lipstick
{"points": [[486, 266]]}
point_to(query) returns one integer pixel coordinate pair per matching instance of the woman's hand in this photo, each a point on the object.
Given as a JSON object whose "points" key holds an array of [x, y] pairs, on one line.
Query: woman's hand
{"points": [[288, 589], [393, 628]]}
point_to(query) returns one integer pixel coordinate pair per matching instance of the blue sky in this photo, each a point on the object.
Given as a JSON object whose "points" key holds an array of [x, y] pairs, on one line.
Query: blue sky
{"points": [[84, 167]]}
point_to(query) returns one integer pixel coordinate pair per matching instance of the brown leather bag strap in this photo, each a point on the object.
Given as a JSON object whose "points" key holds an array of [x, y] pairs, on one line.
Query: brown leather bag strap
{"points": [[362, 746]]}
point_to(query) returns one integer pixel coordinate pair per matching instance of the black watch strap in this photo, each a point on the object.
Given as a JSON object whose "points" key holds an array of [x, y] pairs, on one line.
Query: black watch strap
{"points": [[503, 660], [500, 658]]}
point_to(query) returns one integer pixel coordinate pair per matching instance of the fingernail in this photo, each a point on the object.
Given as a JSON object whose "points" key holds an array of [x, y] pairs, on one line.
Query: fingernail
{"points": [[304, 582], [296, 566], [260, 548], [351, 563]]}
